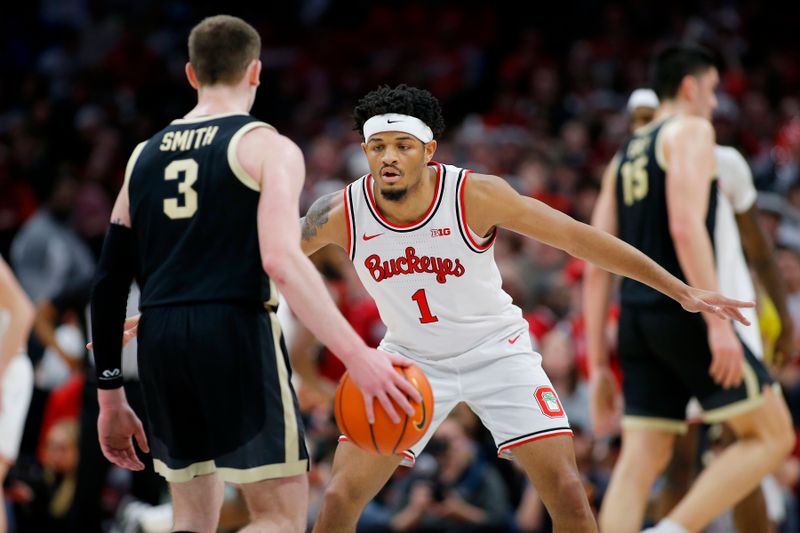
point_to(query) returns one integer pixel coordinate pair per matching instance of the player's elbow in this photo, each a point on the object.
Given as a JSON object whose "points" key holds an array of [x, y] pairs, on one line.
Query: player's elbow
{"points": [[278, 264], [682, 228]]}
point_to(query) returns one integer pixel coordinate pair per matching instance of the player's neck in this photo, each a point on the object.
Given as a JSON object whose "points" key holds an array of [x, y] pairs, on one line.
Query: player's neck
{"points": [[415, 203], [221, 99], [670, 108]]}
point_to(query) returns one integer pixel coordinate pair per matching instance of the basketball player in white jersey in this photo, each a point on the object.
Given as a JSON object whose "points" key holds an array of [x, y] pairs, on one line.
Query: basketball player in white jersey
{"points": [[659, 193], [16, 373], [420, 234]]}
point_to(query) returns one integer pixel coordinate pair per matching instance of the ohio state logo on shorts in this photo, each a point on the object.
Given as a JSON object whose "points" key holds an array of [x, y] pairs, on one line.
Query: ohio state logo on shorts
{"points": [[549, 402]]}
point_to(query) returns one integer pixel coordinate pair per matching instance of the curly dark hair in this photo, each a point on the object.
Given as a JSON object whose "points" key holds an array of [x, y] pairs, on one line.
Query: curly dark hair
{"points": [[401, 99]]}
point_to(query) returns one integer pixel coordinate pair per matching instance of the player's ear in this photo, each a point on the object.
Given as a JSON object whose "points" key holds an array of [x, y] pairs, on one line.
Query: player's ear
{"points": [[191, 75], [364, 148], [254, 73], [688, 87], [430, 149]]}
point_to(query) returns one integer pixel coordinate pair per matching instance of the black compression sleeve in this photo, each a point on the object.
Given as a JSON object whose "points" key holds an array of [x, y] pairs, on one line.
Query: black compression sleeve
{"points": [[112, 283]]}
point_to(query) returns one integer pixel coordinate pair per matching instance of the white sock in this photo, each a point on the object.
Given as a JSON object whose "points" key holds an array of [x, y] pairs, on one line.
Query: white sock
{"points": [[667, 526]]}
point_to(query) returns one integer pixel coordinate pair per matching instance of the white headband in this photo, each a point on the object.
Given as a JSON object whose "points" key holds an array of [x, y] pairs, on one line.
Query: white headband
{"points": [[398, 122]]}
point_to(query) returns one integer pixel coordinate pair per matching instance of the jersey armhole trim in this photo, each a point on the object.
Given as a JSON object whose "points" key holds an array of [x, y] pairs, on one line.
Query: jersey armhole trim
{"points": [[661, 159], [461, 216], [131, 164], [351, 221], [233, 161]]}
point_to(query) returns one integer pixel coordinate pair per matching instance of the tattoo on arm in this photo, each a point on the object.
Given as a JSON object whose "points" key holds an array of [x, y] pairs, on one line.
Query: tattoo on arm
{"points": [[317, 216]]}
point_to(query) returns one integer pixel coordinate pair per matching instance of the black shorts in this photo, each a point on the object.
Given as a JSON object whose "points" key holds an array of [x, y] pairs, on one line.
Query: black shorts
{"points": [[665, 360], [216, 383]]}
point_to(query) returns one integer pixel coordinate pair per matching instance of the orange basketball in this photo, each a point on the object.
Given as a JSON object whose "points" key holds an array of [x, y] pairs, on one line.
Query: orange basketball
{"points": [[384, 437]]}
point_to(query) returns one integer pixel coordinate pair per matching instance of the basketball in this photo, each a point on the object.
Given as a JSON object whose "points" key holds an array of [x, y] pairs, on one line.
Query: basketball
{"points": [[384, 437]]}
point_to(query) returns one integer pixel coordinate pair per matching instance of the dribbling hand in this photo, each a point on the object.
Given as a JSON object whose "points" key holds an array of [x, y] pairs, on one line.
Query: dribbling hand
{"points": [[376, 378]]}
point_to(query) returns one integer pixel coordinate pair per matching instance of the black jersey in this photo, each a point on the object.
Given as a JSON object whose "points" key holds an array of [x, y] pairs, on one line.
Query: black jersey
{"points": [[193, 212], [642, 211]]}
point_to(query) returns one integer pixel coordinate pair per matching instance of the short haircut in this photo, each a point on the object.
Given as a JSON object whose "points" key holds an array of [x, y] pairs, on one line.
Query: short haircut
{"points": [[404, 100], [221, 48], [675, 62]]}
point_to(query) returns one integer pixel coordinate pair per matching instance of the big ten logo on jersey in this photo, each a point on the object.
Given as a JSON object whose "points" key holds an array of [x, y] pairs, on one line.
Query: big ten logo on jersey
{"points": [[634, 170], [440, 232], [548, 402]]}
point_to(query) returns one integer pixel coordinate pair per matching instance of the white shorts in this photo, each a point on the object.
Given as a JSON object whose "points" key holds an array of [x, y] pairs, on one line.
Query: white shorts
{"points": [[503, 383], [16, 389]]}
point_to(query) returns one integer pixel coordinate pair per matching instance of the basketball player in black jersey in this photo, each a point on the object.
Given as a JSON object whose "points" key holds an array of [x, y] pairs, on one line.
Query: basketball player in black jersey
{"points": [[659, 195], [208, 204]]}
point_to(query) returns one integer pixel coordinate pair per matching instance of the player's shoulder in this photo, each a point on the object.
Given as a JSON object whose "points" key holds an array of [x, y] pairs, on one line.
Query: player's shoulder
{"points": [[486, 191], [478, 183], [696, 127], [260, 137]]}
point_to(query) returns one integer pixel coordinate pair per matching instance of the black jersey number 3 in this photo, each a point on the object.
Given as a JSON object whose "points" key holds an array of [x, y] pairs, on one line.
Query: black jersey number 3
{"points": [[186, 168]]}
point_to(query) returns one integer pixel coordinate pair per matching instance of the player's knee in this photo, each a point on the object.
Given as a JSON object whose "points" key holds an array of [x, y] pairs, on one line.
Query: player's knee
{"points": [[342, 495], [646, 463], [775, 427], [784, 438], [569, 495]]}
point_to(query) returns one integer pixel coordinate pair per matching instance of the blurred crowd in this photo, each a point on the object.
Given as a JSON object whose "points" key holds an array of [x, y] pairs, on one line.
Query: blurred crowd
{"points": [[536, 97]]}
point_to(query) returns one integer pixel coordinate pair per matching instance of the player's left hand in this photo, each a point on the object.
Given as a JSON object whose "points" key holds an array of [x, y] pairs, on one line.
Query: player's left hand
{"points": [[701, 301]]}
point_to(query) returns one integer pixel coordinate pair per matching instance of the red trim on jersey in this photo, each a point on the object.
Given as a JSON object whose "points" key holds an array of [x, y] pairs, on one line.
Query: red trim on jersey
{"points": [[464, 224], [531, 439], [349, 229], [371, 198]]}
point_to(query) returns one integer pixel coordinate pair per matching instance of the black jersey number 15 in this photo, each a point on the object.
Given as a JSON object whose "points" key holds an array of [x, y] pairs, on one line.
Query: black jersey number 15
{"points": [[634, 179], [184, 170]]}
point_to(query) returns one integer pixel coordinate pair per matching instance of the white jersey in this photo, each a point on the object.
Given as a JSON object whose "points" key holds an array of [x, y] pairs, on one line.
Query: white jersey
{"points": [[435, 282], [737, 195]]}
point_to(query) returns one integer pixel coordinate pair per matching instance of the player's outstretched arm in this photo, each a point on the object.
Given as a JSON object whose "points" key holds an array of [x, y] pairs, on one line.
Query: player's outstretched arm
{"points": [[277, 164], [490, 201]]}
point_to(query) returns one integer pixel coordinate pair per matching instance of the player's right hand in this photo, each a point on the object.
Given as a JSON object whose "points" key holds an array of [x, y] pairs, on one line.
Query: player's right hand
{"points": [[727, 355], [375, 376], [604, 402]]}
